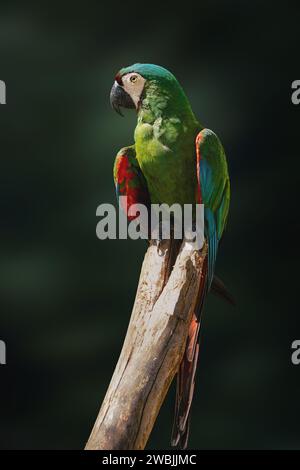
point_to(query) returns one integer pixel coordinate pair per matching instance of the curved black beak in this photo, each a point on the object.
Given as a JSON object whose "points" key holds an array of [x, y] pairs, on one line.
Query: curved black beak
{"points": [[120, 98]]}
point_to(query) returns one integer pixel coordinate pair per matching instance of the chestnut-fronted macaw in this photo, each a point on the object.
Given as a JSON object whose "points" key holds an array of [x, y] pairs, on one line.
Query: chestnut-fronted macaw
{"points": [[174, 159]]}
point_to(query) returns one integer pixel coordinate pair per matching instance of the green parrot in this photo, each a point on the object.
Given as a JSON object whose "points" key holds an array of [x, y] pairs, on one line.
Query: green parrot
{"points": [[174, 159]]}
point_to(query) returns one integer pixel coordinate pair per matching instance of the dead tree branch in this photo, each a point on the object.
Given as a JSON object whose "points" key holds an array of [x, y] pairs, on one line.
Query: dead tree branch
{"points": [[153, 347]]}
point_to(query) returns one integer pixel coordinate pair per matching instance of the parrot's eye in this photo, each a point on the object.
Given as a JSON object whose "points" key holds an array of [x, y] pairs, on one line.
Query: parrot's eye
{"points": [[133, 78]]}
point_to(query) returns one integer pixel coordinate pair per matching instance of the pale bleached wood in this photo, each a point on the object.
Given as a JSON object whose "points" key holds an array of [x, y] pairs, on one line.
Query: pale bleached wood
{"points": [[153, 347]]}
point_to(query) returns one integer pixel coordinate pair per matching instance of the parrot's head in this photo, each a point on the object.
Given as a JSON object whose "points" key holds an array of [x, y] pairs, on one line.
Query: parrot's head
{"points": [[146, 85]]}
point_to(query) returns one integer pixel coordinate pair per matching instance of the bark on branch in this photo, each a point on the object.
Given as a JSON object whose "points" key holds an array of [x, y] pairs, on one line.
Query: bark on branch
{"points": [[153, 347]]}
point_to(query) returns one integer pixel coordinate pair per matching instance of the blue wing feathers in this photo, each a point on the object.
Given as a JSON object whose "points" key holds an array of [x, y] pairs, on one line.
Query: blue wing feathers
{"points": [[214, 194]]}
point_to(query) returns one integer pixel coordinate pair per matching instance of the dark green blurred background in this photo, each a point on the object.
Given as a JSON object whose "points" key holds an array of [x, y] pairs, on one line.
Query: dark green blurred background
{"points": [[66, 297]]}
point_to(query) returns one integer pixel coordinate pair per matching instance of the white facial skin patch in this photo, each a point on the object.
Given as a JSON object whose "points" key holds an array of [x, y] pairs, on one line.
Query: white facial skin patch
{"points": [[133, 84]]}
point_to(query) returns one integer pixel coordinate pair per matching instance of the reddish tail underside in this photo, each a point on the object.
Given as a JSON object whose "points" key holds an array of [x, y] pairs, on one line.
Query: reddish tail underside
{"points": [[186, 374]]}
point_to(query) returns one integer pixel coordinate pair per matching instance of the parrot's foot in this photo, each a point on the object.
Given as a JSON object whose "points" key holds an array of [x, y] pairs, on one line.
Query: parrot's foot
{"points": [[160, 237], [194, 238]]}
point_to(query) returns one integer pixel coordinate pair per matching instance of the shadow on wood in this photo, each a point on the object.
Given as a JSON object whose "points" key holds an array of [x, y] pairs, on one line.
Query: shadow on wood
{"points": [[153, 347]]}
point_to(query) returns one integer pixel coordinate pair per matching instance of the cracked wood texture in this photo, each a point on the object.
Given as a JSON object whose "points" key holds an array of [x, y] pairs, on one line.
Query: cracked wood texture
{"points": [[153, 347]]}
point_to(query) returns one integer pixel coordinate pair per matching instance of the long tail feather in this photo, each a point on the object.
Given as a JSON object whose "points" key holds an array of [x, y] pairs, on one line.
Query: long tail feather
{"points": [[186, 375], [185, 387]]}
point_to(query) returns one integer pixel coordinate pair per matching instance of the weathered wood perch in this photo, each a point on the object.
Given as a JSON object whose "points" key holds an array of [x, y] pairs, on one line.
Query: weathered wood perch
{"points": [[153, 347]]}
